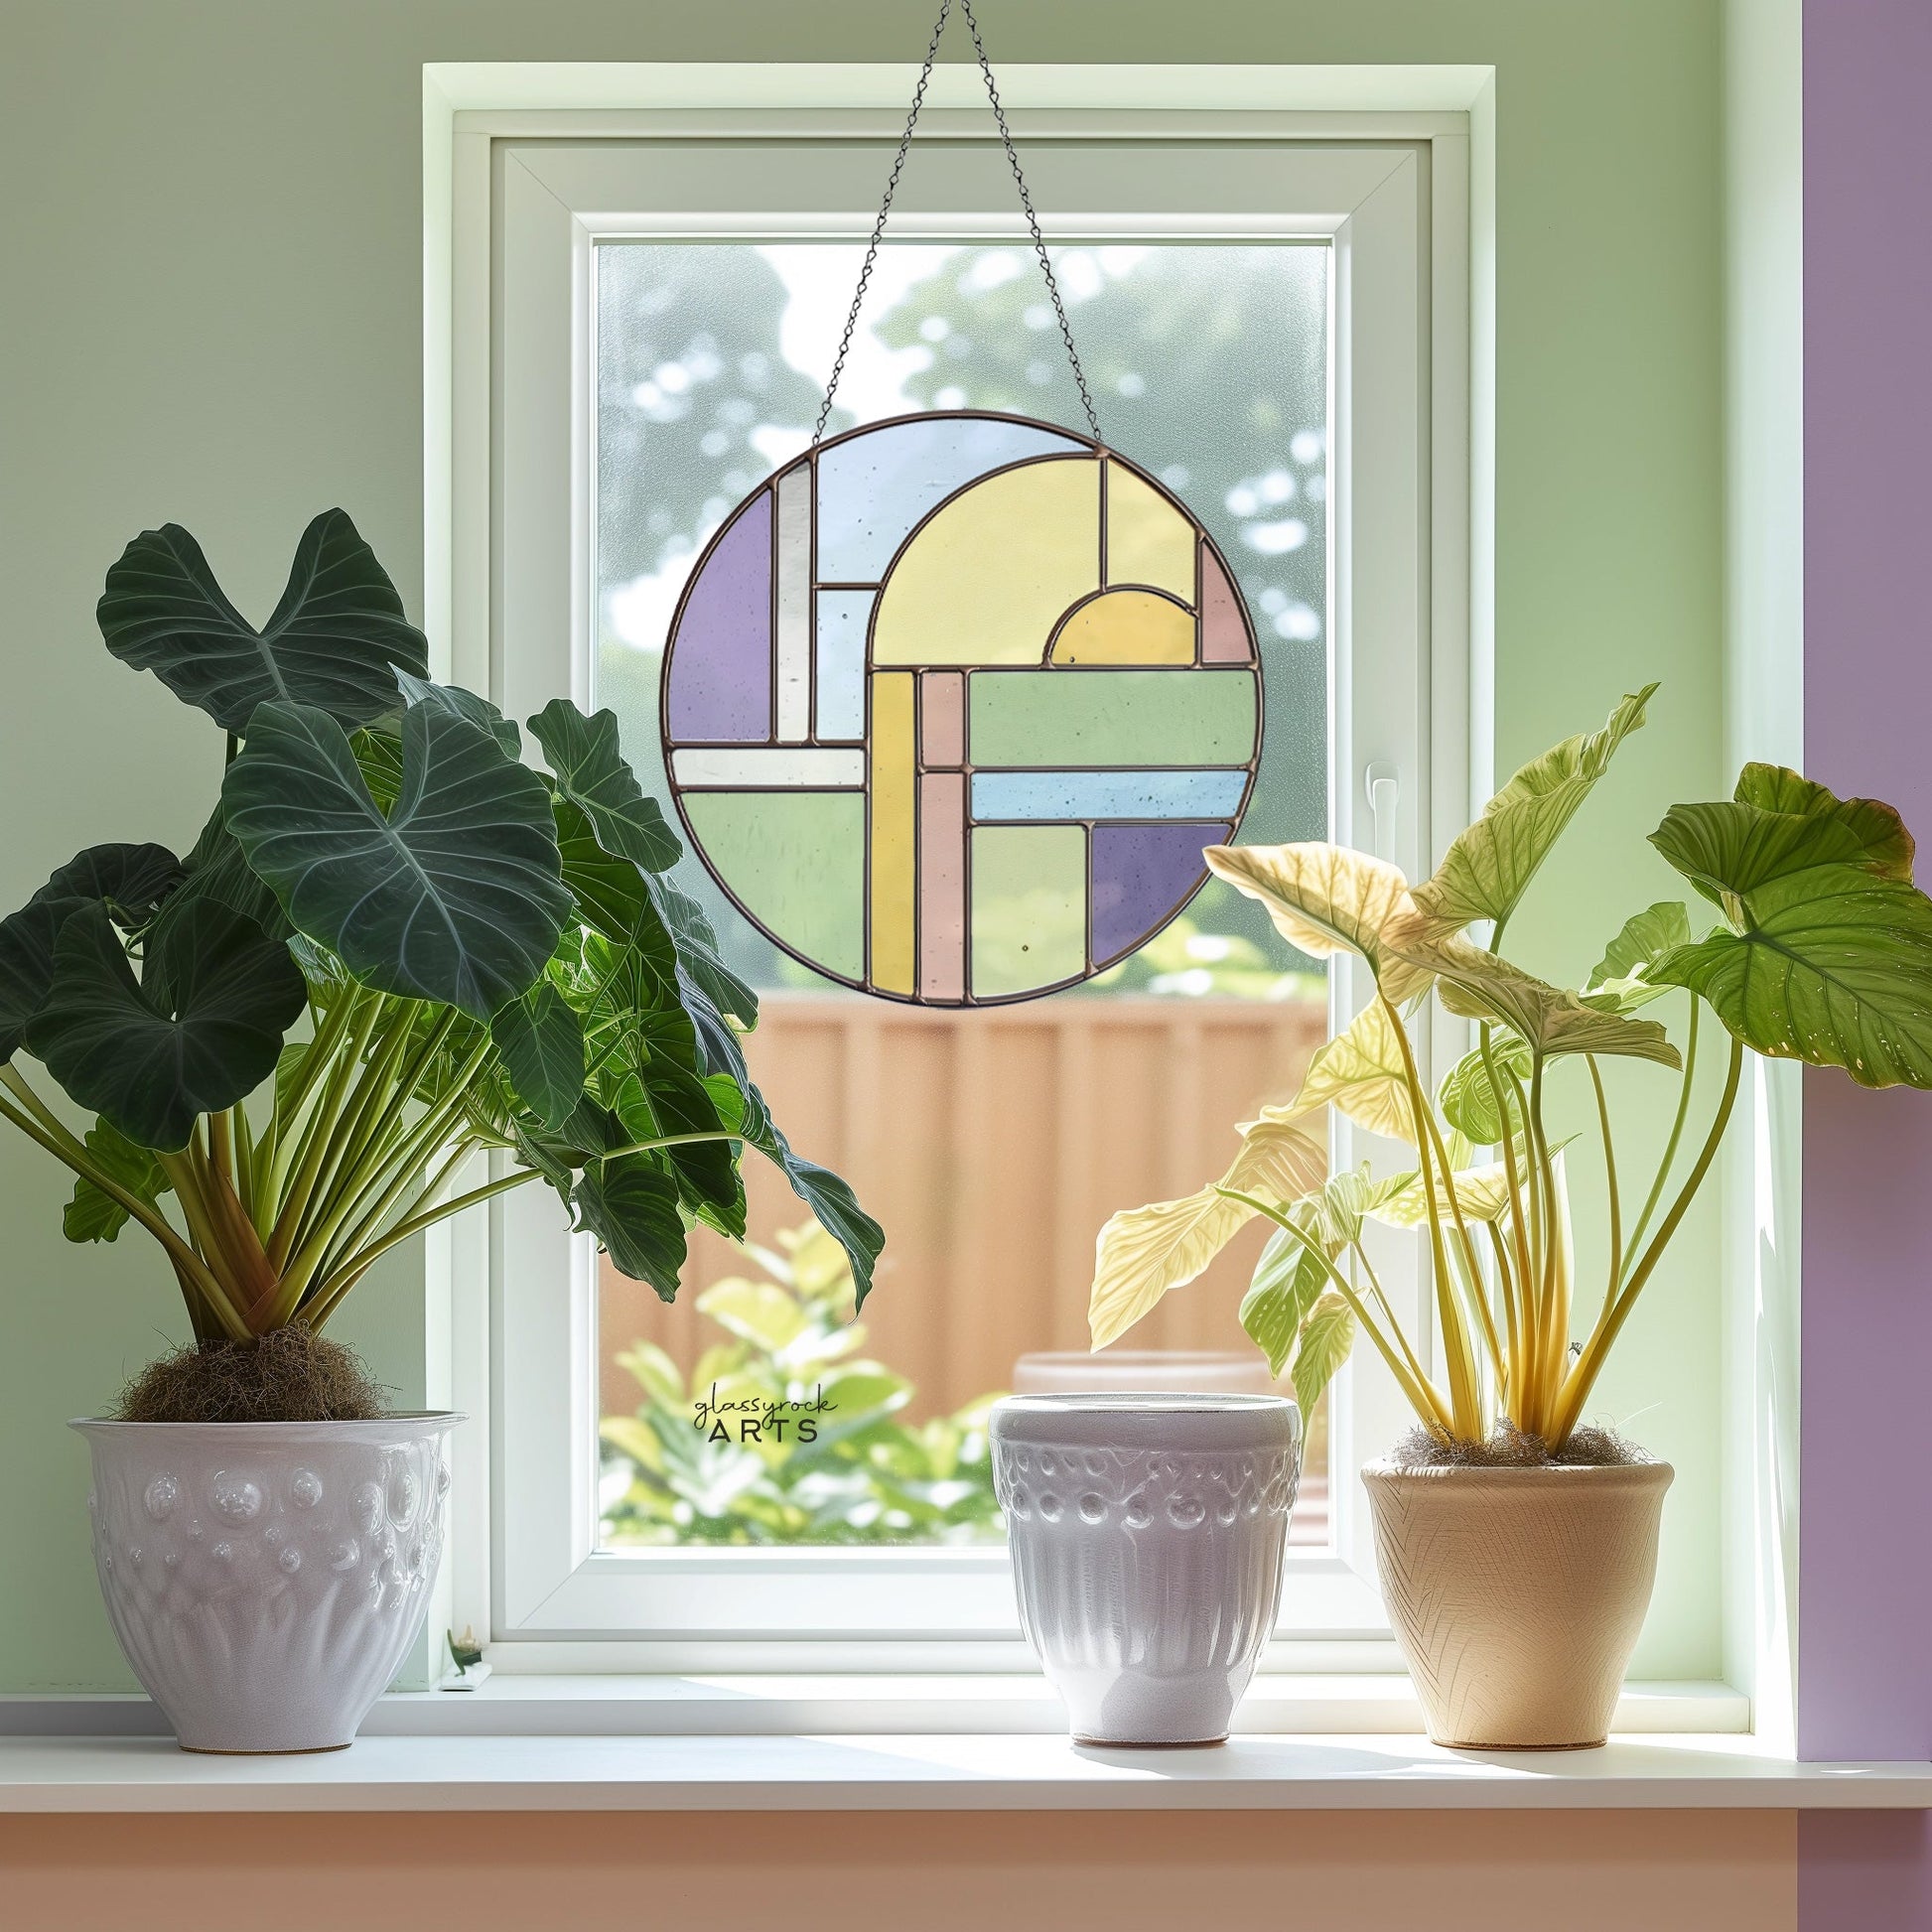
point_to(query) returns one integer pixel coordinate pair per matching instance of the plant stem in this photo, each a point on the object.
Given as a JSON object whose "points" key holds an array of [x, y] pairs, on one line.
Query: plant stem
{"points": [[344, 1056], [1589, 1363], [1421, 1392], [188, 1264], [1676, 1131], [1609, 1176], [1465, 1399], [1382, 1302], [416, 1223]]}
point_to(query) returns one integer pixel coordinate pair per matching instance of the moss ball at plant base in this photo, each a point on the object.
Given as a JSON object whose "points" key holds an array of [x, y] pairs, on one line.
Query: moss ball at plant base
{"points": [[291, 1374], [1508, 1448]]}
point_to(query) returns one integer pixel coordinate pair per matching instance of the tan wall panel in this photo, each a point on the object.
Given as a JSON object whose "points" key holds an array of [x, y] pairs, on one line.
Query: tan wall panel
{"points": [[1446, 1871]]}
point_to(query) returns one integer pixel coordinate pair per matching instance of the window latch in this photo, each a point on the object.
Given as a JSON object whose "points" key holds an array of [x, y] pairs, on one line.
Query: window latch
{"points": [[1383, 787]]}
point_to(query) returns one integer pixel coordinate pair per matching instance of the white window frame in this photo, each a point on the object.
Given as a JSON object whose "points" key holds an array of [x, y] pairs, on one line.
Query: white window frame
{"points": [[532, 193]]}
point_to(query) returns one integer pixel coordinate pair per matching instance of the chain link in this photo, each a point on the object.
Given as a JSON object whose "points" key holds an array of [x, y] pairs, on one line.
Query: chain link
{"points": [[885, 209]]}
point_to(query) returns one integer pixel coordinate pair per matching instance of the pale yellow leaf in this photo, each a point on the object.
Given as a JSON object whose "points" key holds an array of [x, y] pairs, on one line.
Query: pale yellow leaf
{"points": [[1145, 1251], [1481, 1192], [1360, 1071], [1327, 899]]}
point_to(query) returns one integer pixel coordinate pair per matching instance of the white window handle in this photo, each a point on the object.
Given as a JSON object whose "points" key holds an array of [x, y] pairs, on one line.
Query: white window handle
{"points": [[1384, 789]]}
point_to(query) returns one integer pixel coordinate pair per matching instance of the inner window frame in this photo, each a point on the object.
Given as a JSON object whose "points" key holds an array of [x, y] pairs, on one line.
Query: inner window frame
{"points": [[1395, 213]]}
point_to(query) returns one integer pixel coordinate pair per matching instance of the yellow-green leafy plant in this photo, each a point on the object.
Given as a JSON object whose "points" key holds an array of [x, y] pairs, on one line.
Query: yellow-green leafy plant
{"points": [[1822, 952]]}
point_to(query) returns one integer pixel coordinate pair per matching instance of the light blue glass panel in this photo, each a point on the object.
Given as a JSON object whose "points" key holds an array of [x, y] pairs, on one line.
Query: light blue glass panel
{"points": [[871, 491], [842, 619], [1106, 794]]}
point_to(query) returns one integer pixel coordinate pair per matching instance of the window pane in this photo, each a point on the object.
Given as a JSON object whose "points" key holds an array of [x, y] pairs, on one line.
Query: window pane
{"points": [[990, 1144]]}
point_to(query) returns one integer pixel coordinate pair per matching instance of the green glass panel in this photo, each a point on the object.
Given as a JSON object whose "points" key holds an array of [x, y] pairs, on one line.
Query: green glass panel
{"points": [[1029, 907], [795, 862], [1060, 718]]}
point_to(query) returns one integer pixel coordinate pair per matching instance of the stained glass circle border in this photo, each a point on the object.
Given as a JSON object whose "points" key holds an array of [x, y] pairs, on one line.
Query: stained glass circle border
{"points": [[921, 745]]}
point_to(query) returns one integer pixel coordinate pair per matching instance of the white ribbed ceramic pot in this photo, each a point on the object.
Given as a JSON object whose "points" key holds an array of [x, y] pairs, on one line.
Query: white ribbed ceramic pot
{"points": [[265, 1579], [1148, 1532]]}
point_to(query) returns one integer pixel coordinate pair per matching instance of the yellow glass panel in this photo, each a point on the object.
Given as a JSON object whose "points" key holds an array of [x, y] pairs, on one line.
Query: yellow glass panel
{"points": [[894, 842], [1127, 627], [1149, 541], [987, 580]]}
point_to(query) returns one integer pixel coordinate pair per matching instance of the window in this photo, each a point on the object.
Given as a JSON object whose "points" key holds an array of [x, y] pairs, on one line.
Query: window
{"points": [[1255, 315]]}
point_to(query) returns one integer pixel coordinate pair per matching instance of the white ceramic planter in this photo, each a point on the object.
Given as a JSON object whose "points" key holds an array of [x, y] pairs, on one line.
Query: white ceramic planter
{"points": [[265, 1579], [1148, 1532]]}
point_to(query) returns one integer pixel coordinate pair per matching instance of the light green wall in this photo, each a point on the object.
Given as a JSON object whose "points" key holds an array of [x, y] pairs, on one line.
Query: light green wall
{"points": [[210, 312]]}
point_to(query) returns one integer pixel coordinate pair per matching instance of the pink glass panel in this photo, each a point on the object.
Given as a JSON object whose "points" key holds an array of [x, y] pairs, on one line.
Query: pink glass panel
{"points": [[942, 718], [1224, 628], [942, 886]]}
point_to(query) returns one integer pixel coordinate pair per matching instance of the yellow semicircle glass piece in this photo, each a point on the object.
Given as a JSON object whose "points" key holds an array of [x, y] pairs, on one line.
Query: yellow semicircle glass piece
{"points": [[1126, 628], [987, 579]]}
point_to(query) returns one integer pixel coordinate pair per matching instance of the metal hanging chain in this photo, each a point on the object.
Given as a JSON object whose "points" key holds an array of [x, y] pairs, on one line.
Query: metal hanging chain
{"points": [[885, 209]]}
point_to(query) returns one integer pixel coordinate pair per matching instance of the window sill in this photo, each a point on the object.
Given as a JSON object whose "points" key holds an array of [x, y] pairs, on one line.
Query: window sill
{"points": [[508, 1704], [934, 1773]]}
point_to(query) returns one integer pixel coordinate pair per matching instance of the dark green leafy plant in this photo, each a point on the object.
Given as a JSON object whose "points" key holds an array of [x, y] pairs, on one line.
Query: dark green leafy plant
{"points": [[394, 947], [784, 1433]]}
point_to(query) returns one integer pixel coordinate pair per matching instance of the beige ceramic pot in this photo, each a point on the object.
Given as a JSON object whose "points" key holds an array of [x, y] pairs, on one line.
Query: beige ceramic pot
{"points": [[1517, 1595]]}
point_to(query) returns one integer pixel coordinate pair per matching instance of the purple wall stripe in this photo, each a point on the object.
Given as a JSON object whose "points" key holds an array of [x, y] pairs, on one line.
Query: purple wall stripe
{"points": [[1864, 1555]]}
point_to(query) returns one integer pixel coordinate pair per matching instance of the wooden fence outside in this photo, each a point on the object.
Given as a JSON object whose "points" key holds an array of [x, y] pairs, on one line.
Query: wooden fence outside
{"points": [[991, 1144]]}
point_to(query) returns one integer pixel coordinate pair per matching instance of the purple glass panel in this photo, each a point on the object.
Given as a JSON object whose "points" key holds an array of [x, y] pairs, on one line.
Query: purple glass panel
{"points": [[721, 656], [1141, 874]]}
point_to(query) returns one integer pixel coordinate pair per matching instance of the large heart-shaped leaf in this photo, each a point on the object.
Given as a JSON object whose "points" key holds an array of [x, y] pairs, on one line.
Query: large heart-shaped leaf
{"points": [[1884, 845], [463, 704], [700, 962], [129, 881], [1488, 867], [218, 870], [1827, 958], [609, 891], [198, 1031], [1146, 1251], [630, 1205], [1728, 849], [1325, 899], [830, 1198], [456, 896], [662, 1093], [335, 640], [591, 772], [540, 1036]]}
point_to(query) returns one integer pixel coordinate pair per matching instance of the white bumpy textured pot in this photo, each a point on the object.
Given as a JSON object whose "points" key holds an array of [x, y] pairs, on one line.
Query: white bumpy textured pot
{"points": [[1148, 1532], [265, 1579]]}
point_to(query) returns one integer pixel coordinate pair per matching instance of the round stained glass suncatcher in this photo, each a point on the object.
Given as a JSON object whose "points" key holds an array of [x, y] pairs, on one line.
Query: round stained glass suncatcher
{"points": [[953, 703]]}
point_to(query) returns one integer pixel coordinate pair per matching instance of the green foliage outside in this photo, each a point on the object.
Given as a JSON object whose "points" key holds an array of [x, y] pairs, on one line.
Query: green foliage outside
{"points": [[785, 1433]]}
